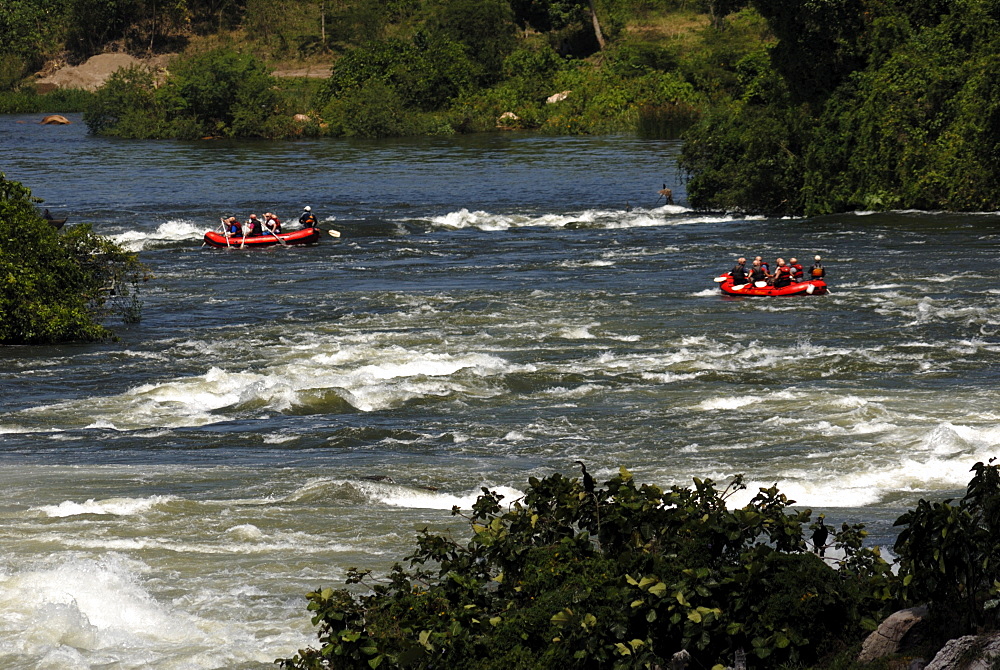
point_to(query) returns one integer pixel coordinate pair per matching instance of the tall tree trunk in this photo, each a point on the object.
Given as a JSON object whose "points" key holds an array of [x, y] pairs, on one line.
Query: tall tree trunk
{"points": [[597, 25], [322, 24]]}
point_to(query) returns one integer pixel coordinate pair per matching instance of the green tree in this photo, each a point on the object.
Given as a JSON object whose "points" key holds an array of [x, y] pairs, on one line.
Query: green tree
{"points": [[32, 30], [57, 287], [126, 106], [223, 91], [485, 27], [94, 23], [219, 92]]}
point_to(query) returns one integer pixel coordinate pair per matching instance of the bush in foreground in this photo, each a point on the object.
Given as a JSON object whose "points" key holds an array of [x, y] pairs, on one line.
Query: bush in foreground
{"points": [[616, 577], [625, 576]]}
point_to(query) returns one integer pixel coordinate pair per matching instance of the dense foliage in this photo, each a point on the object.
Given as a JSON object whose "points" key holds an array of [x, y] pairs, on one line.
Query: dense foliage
{"points": [[949, 555], [398, 68], [218, 93], [57, 286], [873, 105], [800, 107], [623, 576]]}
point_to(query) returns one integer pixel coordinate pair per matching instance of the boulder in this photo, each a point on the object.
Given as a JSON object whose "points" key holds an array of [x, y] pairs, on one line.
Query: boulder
{"points": [[301, 118], [92, 74], [507, 120], [901, 630], [55, 120], [557, 97], [971, 652]]}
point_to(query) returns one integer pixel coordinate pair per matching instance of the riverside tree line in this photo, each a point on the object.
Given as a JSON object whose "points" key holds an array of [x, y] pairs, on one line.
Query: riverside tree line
{"points": [[791, 106]]}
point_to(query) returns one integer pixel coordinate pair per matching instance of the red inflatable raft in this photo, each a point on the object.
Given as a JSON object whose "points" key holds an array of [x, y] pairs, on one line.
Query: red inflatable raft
{"points": [[811, 287], [303, 236]]}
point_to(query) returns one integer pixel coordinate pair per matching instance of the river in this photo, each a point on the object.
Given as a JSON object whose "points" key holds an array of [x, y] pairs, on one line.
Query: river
{"points": [[492, 311]]}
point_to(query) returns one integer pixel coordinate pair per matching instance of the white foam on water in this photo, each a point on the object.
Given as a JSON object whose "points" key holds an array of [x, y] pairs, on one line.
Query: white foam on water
{"points": [[76, 612], [727, 403], [369, 374], [89, 605], [110, 506], [171, 231], [668, 215], [395, 496]]}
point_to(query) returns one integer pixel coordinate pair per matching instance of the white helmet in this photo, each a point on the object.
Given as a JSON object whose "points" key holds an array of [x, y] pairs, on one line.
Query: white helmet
{"points": [[818, 258], [307, 208]]}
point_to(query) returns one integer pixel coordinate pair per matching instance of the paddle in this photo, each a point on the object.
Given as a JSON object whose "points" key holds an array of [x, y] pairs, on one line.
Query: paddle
{"points": [[719, 280], [223, 221], [244, 242], [283, 243], [334, 233], [760, 284]]}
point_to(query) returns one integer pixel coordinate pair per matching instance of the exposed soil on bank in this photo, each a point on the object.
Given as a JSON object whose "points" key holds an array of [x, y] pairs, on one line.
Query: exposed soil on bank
{"points": [[92, 74]]}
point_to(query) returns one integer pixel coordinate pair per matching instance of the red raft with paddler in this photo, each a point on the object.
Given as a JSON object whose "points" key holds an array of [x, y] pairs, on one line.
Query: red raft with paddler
{"points": [[787, 279], [265, 232]]}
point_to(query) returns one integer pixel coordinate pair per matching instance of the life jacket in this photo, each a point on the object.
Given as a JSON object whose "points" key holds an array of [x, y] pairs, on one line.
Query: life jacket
{"points": [[255, 229], [798, 272], [758, 274], [818, 271], [274, 224], [308, 220], [739, 274], [234, 228], [782, 276]]}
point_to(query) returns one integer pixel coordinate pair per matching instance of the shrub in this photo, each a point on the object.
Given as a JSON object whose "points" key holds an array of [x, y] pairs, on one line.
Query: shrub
{"points": [[217, 93], [623, 576], [227, 92], [126, 105], [949, 556], [56, 286]]}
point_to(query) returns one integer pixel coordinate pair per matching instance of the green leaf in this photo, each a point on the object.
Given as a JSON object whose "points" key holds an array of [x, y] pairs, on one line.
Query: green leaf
{"points": [[658, 590], [645, 582], [562, 618]]}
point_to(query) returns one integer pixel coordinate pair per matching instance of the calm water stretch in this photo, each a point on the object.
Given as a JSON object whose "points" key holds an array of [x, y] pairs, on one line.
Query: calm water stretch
{"points": [[491, 312]]}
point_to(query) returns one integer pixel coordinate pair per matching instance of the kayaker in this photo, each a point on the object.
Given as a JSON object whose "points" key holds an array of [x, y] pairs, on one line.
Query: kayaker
{"points": [[757, 272], [272, 223], [253, 226], [798, 272], [739, 272], [308, 219], [782, 274], [817, 271]]}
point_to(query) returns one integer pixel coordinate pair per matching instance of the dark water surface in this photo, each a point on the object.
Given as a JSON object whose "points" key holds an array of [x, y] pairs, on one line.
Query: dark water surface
{"points": [[490, 313]]}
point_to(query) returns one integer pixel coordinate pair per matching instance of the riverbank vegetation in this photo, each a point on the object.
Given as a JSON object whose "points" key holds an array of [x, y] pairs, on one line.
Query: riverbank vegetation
{"points": [[405, 67], [797, 108], [858, 106], [58, 286], [627, 575]]}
